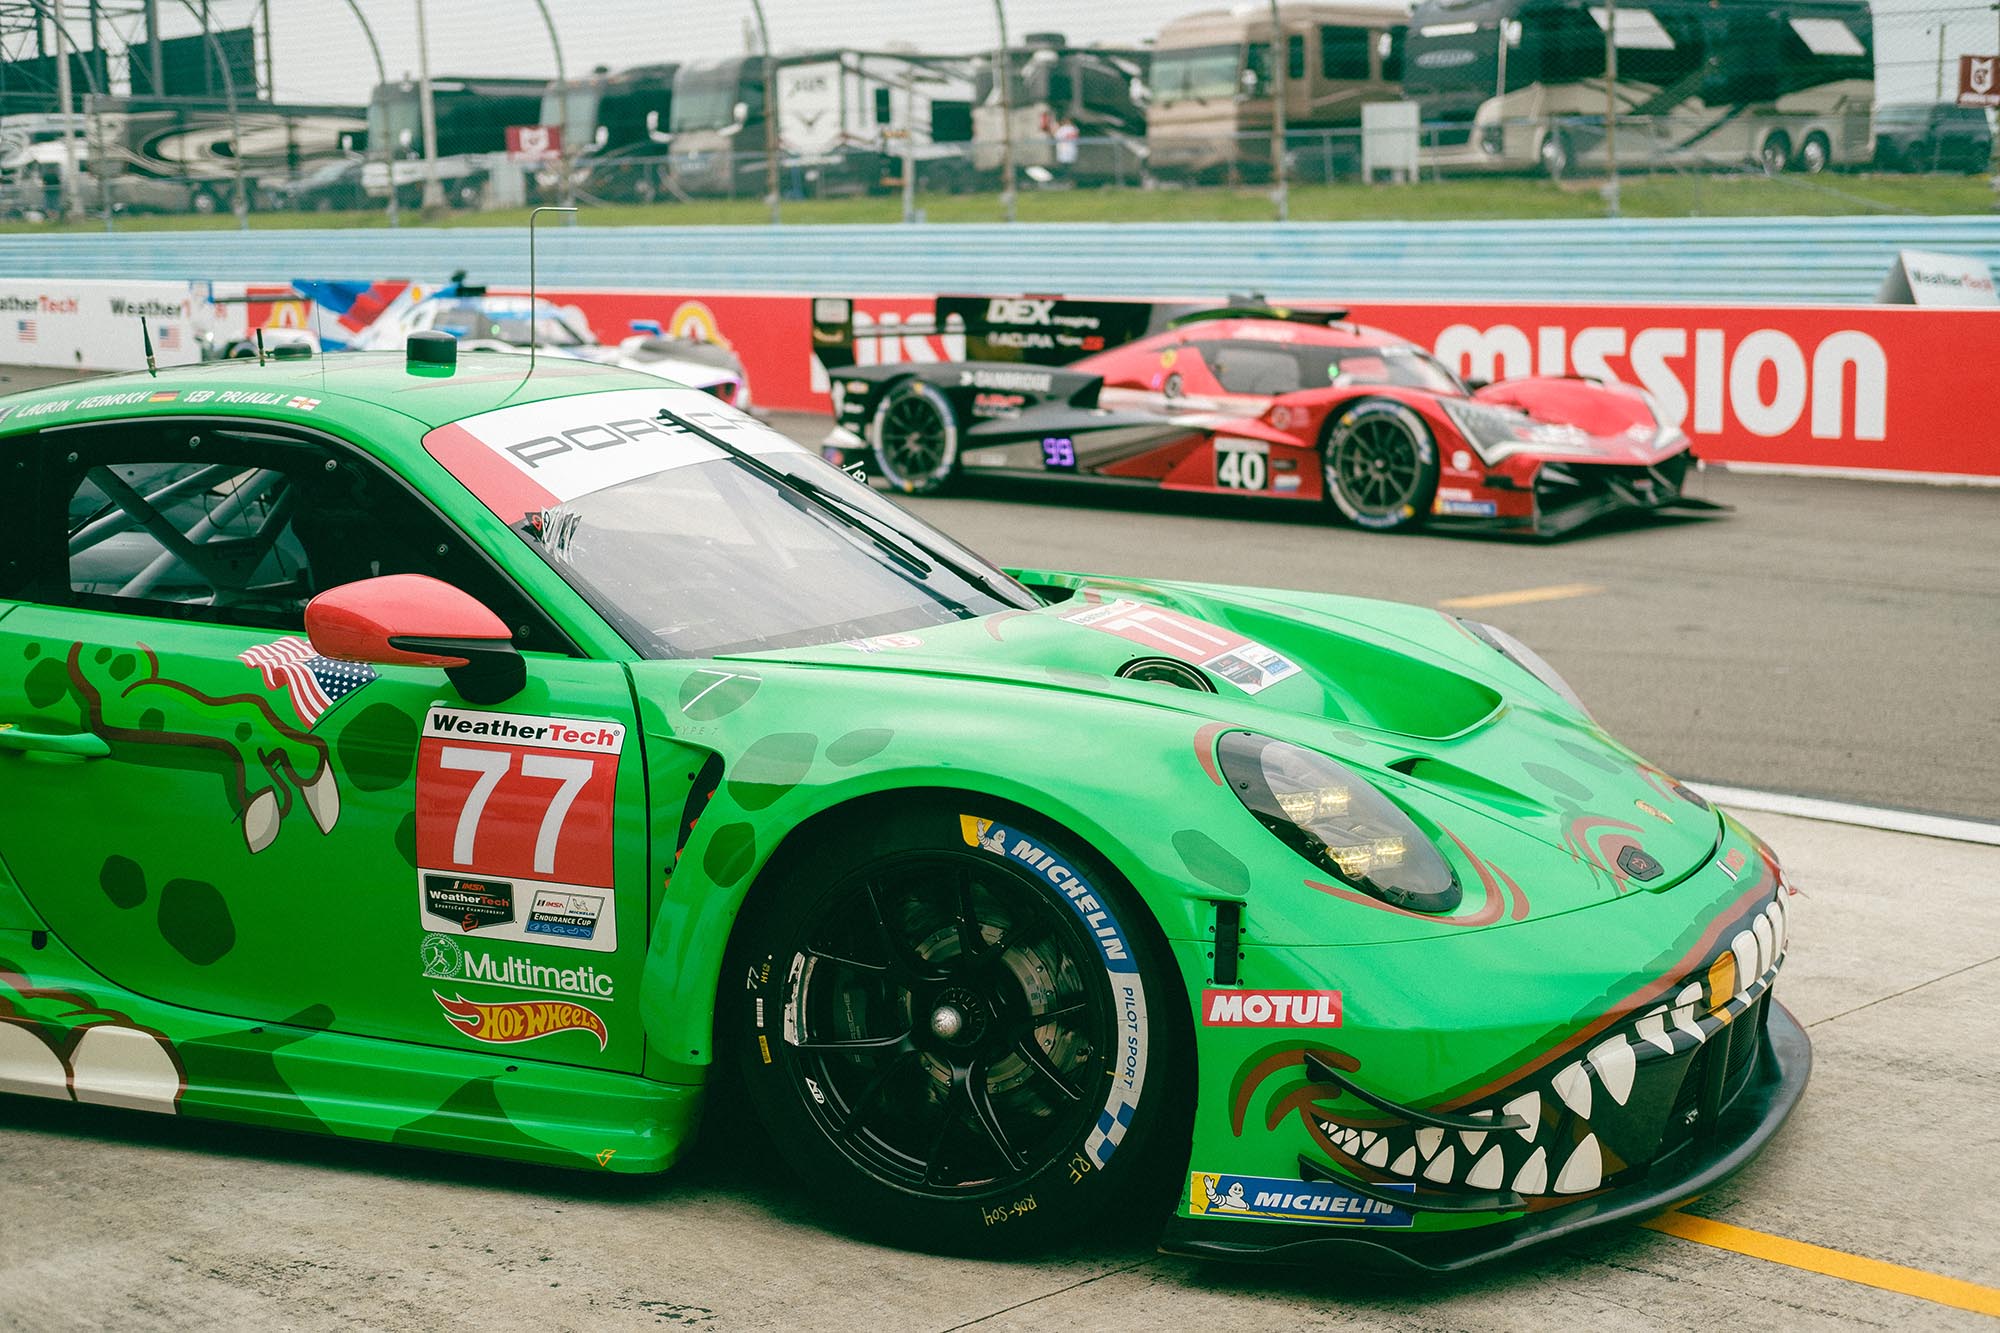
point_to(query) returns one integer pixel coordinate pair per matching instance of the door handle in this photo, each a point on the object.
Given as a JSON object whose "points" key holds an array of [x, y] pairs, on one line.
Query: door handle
{"points": [[75, 744]]}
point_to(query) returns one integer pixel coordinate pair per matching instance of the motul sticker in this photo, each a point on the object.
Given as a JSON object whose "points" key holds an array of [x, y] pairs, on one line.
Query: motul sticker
{"points": [[1270, 1008], [516, 826], [506, 1021]]}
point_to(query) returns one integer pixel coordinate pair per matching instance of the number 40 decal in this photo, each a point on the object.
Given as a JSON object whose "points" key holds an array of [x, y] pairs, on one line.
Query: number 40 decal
{"points": [[1242, 465], [491, 766]]}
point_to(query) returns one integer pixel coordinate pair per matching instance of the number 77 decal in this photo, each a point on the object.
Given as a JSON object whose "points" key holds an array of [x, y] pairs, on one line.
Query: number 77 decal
{"points": [[515, 821]]}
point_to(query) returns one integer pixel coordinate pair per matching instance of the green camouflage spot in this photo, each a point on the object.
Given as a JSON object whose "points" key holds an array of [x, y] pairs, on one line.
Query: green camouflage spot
{"points": [[195, 920], [1212, 863], [772, 767], [378, 748], [1557, 781], [101, 655], [152, 720], [47, 682], [242, 731], [406, 839], [472, 1114], [730, 853], [239, 1078], [1596, 759], [709, 694], [122, 666], [123, 882], [32, 651], [856, 746]]}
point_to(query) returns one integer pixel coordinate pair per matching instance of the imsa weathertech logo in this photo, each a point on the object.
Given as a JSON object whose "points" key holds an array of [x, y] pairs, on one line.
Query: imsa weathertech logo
{"points": [[519, 1020], [1270, 1008]]}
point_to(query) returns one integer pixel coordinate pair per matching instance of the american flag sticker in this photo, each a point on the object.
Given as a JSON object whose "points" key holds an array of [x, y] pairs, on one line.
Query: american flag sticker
{"points": [[303, 404], [313, 683], [170, 338], [24, 329]]}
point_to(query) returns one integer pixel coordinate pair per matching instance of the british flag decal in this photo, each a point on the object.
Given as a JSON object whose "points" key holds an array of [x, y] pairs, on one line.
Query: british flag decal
{"points": [[313, 683]]}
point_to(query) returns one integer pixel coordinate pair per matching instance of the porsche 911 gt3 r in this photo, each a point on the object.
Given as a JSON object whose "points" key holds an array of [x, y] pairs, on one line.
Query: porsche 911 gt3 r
{"points": [[434, 754], [1296, 404]]}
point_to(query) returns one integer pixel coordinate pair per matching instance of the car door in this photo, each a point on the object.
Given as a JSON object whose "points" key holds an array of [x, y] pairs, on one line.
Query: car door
{"points": [[210, 813]]}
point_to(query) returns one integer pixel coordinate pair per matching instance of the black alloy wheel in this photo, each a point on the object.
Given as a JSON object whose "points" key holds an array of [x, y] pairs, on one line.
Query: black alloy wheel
{"points": [[915, 438], [934, 1040], [1380, 465]]}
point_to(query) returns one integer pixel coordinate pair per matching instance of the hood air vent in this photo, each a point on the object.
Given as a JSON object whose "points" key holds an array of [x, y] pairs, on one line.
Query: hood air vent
{"points": [[1168, 671]]}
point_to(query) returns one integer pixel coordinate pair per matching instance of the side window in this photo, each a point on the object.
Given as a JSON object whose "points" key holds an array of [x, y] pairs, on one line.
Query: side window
{"points": [[249, 529], [1343, 53], [1390, 46], [1244, 368], [1295, 56]]}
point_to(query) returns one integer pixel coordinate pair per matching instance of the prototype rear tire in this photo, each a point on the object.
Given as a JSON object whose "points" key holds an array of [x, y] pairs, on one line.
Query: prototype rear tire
{"points": [[1381, 465], [957, 1027], [914, 436]]}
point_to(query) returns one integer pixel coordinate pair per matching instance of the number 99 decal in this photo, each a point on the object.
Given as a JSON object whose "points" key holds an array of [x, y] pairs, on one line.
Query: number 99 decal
{"points": [[515, 821], [1059, 453], [1242, 465]]}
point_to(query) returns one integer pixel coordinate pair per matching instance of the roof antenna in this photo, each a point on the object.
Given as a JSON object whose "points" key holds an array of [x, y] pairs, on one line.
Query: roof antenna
{"points": [[146, 337], [260, 348], [534, 324], [319, 346]]}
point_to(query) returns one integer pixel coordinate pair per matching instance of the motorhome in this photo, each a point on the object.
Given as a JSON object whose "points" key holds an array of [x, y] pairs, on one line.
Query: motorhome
{"points": [[847, 121], [717, 128], [1212, 87], [1096, 89], [472, 118], [1519, 84], [615, 130]]}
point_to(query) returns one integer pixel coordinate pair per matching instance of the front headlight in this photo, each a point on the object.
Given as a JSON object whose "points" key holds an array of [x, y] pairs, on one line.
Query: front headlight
{"points": [[1338, 821], [1524, 657], [1497, 431]]}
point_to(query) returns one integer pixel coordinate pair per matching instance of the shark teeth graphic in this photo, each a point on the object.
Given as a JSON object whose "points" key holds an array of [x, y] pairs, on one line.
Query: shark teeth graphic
{"points": [[1578, 1118]]}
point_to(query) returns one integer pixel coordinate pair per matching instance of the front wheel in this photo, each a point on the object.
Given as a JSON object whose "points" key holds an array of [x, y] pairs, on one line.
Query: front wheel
{"points": [[914, 434], [1381, 465], [955, 1025], [1776, 154]]}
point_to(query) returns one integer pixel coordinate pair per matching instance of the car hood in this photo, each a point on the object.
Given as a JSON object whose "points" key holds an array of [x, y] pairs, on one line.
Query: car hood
{"points": [[1405, 695]]}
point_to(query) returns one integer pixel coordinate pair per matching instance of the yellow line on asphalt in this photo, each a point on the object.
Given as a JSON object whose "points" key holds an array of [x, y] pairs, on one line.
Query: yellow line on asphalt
{"points": [[1553, 593], [1955, 1292]]}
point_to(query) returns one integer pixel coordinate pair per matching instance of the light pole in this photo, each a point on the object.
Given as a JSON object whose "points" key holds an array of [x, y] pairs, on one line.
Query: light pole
{"points": [[68, 203], [770, 115], [1940, 65], [1280, 56], [1003, 71], [427, 114], [1611, 105], [567, 191], [381, 81]]}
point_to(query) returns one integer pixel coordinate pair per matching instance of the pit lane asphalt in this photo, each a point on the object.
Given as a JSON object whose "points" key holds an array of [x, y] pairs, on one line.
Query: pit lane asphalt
{"points": [[1824, 638], [123, 1220]]}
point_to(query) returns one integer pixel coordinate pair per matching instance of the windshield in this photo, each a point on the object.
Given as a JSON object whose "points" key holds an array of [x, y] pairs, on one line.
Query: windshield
{"points": [[505, 322], [1196, 72], [692, 550], [1270, 369], [706, 99]]}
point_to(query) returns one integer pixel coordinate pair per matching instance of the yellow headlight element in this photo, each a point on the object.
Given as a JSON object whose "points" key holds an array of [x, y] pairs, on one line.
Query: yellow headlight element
{"points": [[1357, 860], [1303, 807]]}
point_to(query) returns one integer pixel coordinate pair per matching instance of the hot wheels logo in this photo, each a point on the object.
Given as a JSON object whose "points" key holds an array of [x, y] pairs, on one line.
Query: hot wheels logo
{"points": [[519, 1020]]}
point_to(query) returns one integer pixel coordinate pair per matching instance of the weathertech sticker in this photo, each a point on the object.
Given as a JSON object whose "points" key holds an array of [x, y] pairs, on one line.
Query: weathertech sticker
{"points": [[1270, 1008], [1128, 993], [515, 826], [506, 1021], [1247, 664]]}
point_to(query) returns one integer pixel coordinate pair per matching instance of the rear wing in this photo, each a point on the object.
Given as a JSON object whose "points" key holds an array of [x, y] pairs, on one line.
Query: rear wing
{"points": [[1039, 330]]}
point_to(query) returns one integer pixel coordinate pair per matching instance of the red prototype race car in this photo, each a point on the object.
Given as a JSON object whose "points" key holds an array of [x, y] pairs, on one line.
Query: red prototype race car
{"points": [[1294, 403]]}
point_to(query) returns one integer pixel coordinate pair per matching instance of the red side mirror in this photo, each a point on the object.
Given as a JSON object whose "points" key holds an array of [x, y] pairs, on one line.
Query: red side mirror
{"points": [[416, 620]]}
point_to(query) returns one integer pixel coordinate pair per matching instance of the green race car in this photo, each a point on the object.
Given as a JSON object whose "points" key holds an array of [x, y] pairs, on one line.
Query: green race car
{"points": [[430, 752]]}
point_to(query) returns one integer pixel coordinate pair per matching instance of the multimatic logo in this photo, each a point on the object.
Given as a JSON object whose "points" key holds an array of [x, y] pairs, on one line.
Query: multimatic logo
{"points": [[445, 959]]}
